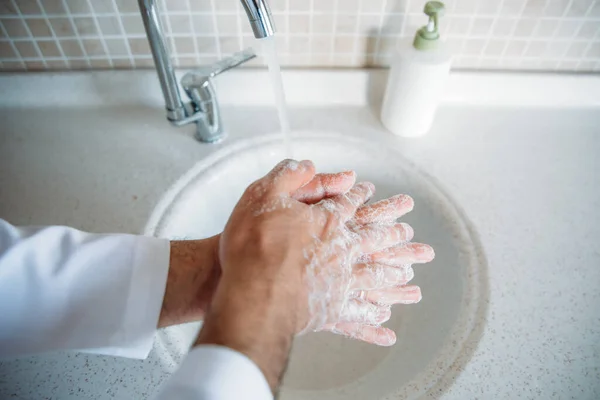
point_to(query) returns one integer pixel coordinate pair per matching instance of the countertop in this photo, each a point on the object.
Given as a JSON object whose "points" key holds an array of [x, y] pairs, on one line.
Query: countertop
{"points": [[525, 173]]}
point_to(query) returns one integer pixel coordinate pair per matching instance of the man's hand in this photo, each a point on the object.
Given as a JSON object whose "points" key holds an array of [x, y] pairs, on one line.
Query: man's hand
{"points": [[194, 267], [287, 267]]}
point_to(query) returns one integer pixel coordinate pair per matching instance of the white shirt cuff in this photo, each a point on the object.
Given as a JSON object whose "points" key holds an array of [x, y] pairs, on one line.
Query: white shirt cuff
{"points": [[212, 372]]}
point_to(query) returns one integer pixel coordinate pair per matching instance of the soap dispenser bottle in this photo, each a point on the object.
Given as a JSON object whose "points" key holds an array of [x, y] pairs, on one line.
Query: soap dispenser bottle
{"points": [[418, 74]]}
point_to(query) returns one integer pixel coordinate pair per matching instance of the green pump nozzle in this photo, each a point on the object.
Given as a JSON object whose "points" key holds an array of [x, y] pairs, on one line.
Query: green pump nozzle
{"points": [[427, 37]]}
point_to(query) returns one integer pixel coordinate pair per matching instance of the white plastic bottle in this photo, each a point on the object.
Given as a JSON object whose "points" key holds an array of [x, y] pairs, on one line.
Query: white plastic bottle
{"points": [[417, 78]]}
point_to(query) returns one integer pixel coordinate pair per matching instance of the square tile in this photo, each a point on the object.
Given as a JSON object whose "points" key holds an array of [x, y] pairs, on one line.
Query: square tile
{"points": [[346, 24], [7, 51], [26, 49], [593, 51], [53, 7], [227, 24], [203, 24], [15, 28], [7, 8], [321, 44], [555, 8], [458, 26], [102, 6], [204, 6], [577, 50], [71, 48], [515, 48], [536, 48], [139, 46], [127, 6], [299, 44], [121, 63], [49, 48], [512, 8], [229, 44], [93, 47], [133, 25], [579, 8], [503, 27], [322, 23], [178, 5], [56, 64], [474, 46], [85, 26], [568, 28], [227, 5], [495, 47], [100, 63], [481, 26], [524, 27], [556, 49], [62, 27], [588, 30], [392, 24], [207, 45], [185, 45], [28, 7], [38, 27], [78, 64], [116, 47], [143, 63], [299, 5], [371, 6], [78, 7], [546, 28], [298, 24], [181, 24], [111, 26], [35, 65], [369, 24], [324, 5]]}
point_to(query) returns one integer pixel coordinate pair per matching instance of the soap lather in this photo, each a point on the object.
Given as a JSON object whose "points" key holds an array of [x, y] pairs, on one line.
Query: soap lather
{"points": [[418, 74]]}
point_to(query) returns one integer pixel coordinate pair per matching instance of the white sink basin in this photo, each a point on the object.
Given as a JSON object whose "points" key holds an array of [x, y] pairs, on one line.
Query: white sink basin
{"points": [[435, 337]]}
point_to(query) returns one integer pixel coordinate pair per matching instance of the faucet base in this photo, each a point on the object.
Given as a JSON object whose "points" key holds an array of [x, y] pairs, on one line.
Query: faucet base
{"points": [[203, 136]]}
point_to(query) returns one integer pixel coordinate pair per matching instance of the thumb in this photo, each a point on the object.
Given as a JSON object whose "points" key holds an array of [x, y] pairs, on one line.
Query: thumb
{"points": [[289, 175]]}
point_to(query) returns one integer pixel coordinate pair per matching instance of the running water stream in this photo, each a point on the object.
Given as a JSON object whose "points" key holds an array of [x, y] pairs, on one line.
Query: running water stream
{"points": [[270, 54]]}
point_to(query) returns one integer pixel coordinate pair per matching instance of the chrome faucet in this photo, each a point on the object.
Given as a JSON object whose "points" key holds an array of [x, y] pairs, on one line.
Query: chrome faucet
{"points": [[202, 109]]}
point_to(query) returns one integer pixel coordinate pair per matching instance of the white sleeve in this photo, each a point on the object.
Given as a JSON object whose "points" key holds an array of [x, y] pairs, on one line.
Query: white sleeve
{"points": [[216, 373], [61, 288]]}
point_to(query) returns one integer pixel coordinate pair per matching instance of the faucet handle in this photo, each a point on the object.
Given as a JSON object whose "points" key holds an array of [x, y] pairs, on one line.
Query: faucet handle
{"points": [[202, 74]]}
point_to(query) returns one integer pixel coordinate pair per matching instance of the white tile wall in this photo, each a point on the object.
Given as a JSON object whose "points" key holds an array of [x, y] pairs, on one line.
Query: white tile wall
{"points": [[483, 34]]}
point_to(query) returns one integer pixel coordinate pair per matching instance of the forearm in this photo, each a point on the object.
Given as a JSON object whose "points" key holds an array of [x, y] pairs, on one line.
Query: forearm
{"points": [[193, 276], [258, 331]]}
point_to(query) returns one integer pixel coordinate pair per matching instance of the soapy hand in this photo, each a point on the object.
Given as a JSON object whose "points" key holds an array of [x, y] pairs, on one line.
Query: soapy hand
{"points": [[289, 267]]}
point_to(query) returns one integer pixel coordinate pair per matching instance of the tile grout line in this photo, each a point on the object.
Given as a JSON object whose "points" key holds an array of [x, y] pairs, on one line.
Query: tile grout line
{"points": [[592, 40], [77, 37], [125, 36], [355, 49], [336, 4], [376, 52], [14, 48], [54, 37], [490, 33], [511, 35], [102, 39], [193, 33], [535, 29], [33, 39], [311, 28], [214, 20]]}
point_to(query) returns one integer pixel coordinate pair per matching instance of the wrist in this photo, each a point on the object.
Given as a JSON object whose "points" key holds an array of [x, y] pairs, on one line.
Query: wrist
{"points": [[191, 282], [250, 321]]}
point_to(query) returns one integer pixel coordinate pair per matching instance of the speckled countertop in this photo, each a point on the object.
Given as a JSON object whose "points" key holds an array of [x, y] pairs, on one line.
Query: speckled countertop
{"points": [[526, 175]]}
